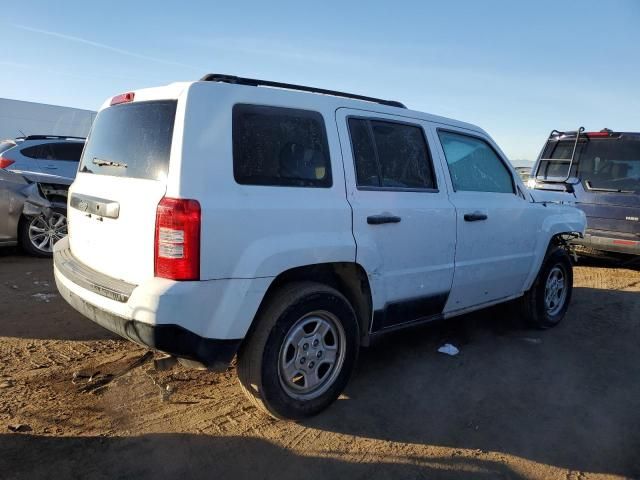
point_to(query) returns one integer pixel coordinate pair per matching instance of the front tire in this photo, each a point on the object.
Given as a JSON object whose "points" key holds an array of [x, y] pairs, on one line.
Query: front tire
{"points": [[545, 304], [301, 354]]}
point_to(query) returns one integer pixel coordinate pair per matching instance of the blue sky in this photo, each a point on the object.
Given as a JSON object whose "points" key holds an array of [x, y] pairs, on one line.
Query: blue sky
{"points": [[517, 69]]}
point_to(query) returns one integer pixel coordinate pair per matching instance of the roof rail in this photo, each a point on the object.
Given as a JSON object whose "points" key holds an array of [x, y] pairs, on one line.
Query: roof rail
{"points": [[51, 137], [218, 77]]}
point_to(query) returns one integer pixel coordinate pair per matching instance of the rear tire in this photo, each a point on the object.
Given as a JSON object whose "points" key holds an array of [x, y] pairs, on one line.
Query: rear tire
{"points": [[29, 229], [546, 303], [300, 355]]}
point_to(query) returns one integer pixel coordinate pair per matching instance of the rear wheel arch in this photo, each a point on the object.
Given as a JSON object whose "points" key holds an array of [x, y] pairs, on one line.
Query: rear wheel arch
{"points": [[349, 278]]}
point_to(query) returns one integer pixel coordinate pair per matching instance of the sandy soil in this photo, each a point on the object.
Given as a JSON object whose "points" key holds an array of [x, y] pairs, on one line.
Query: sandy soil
{"points": [[516, 403]]}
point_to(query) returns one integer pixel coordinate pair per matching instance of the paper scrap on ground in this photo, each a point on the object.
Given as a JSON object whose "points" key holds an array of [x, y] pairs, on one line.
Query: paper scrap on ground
{"points": [[448, 349]]}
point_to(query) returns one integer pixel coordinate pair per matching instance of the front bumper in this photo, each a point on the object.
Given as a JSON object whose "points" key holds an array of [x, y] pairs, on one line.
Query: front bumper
{"points": [[79, 285], [610, 242]]}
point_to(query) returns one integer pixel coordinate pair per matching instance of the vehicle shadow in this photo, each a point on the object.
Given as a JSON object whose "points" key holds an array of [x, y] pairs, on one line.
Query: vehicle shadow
{"points": [[566, 397], [631, 262], [32, 308], [203, 456]]}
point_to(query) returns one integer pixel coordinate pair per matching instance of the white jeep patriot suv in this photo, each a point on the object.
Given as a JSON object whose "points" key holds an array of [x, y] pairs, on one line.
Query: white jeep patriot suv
{"points": [[290, 225]]}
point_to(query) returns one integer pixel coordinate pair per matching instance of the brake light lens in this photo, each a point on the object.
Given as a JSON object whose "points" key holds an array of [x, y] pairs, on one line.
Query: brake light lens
{"points": [[177, 245], [5, 162], [597, 134], [123, 98]]}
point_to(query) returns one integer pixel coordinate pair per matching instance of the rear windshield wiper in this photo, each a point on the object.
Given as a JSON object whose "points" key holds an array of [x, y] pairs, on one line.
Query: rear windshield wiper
{"points": [[612, 190], [107, 163]]}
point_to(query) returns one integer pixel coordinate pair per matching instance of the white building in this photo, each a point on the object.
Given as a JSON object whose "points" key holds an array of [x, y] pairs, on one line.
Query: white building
{"points": [[18, 118]]}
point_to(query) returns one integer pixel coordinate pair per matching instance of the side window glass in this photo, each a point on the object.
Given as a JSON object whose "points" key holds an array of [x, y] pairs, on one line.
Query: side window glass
{"points": [[474, 166], [47, 152], [403, 156], [364, 154], [66, 151], [31, 152], [390, 155], [280, 146]]}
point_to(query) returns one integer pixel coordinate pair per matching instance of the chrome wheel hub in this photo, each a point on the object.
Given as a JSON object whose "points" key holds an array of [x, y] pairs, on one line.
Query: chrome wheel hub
{"points": [[312, 355], [44, 233], [555, 292]]}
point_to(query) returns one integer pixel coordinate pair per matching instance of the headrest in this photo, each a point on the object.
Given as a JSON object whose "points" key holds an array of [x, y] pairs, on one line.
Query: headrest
{"points": [[300, 162]]}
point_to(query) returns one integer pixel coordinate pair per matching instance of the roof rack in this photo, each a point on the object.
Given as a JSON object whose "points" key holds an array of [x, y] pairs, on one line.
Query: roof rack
{"points": [[50, 137], [218, 77]]}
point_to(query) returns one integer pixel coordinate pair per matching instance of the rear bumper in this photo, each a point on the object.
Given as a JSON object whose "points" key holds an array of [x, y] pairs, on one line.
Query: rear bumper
{"points": [[610, 242], [214, 354], [113, 305]]}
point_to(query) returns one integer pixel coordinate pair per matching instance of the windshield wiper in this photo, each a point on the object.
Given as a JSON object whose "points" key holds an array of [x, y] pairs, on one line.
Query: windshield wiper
{"points": [[612, 190], [107, 163]]}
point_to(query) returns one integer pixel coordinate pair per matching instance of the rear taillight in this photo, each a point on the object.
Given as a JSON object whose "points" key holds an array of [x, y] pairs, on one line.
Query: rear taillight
{"points": [[5, 162], [177, 246]]}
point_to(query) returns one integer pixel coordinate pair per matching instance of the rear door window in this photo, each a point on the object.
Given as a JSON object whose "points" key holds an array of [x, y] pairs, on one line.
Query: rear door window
{"points": [[390, 155], [69, 152], [131, 140], [473, 164], [280, 147]]}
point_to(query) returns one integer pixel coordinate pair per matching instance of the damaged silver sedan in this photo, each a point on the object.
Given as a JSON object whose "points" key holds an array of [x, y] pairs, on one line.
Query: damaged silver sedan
{"points": [[27, 217]]}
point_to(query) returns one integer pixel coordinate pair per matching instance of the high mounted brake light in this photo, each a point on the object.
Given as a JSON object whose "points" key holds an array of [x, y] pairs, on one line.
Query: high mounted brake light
{"points": [[123, 98], [597, 134], [177, 245]]}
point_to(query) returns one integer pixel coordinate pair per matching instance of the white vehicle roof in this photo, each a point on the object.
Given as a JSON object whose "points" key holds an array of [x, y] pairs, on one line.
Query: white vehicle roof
{"points": [[290, 92]]}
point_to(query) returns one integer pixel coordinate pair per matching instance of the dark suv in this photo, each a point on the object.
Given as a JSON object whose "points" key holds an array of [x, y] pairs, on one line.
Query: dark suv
{"points": [[602, 170]]}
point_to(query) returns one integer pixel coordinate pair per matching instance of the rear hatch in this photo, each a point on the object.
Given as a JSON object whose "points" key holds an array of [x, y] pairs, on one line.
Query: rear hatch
{"points": [[605, 173], [121, 179]]}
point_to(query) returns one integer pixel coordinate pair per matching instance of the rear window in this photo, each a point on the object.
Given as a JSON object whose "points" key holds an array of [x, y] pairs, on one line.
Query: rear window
{"points": [[611, 164], [131, 140], [280, 147]]}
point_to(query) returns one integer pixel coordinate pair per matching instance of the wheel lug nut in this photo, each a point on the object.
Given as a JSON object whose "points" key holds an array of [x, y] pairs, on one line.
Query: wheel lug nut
{"points": [[305, 346], [311, 364], [316, 343], [319, 354], [302, 360]]}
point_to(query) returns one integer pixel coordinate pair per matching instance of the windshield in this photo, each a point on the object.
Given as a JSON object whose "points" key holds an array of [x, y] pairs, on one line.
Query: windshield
{"points": [[609, 164], [131, 140]]}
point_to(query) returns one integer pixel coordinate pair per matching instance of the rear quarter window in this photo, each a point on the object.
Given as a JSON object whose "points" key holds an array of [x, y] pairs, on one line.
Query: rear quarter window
{"points": [[32, 152], [278, 146]]}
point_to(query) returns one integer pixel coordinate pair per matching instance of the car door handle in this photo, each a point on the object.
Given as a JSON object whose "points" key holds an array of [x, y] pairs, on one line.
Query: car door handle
{"points": [[50, 167], [475, 216], [380, 219]]}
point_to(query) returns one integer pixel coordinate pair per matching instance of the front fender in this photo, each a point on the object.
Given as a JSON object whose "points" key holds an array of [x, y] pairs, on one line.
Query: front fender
{"points": [[559, 219]]}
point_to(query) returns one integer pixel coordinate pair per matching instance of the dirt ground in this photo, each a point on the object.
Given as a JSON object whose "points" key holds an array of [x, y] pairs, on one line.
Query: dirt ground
{"points": [[515, 403]]}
